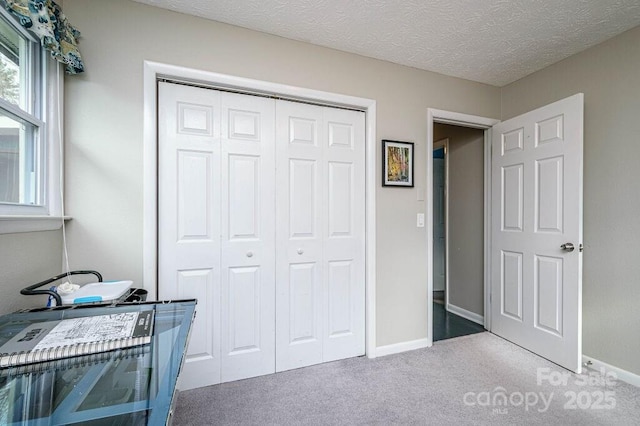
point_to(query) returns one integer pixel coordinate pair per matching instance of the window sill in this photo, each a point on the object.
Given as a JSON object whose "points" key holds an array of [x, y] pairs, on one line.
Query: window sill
{"points": [[17, 224]]}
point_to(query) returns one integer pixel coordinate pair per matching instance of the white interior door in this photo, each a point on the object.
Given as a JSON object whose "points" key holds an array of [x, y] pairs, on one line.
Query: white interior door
{"points": [[537, 210], [439, 241], [189, 219], [320, 234], [248, 236]]}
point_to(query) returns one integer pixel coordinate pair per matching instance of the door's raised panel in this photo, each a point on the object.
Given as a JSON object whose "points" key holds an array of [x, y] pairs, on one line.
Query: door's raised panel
{"points": [[302, 202], [548, 284], [340, 135], [194, 201], [340, 199], [511, 285], [339, 294], [302, 303], [244, 125], [513, 141], [244, 310], [244, 197], [548, 194], [195, 119], [512, 198], [302, 131], [198, 284], [550, 130]]}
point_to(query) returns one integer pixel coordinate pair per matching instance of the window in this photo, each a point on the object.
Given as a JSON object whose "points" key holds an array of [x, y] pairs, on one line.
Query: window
{"points": [[20, 125], [29, 150]]}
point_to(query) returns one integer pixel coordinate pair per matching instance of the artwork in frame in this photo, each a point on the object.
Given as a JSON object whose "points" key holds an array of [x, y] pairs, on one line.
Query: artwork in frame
{"points": [[397, 163]]}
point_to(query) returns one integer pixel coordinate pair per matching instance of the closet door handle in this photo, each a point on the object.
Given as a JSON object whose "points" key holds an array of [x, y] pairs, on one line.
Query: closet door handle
{"points": [[300, 251], [249, 254]]}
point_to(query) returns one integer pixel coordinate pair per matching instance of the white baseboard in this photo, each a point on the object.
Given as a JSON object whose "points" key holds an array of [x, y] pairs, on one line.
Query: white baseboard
{"points": [[624, 375], [402, 347], [471, 316]]}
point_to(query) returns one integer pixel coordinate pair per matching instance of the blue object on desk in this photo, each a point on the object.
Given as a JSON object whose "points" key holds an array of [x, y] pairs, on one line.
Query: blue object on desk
{"points": [[88, 299], [133, 386]]}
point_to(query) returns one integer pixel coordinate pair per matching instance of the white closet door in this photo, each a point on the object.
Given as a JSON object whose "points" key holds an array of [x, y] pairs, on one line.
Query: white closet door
{"points": [[248, 236], [219, 215], [344, 234], [189, 219], [300, 138], [320, 234]]}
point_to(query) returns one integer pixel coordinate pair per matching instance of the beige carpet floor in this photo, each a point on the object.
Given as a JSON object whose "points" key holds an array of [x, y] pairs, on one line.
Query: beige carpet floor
{"points": [[479, 379]]}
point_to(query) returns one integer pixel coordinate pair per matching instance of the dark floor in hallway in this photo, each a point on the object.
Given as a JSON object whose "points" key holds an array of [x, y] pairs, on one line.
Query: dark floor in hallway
{"points": [[447, 325]]}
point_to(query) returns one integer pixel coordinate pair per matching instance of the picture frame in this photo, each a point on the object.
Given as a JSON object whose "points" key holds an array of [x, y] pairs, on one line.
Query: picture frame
{"points": [[397, 163]]}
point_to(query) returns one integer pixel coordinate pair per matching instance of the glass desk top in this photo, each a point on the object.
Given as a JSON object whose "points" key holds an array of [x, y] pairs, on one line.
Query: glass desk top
{"points": [[133, 386]]}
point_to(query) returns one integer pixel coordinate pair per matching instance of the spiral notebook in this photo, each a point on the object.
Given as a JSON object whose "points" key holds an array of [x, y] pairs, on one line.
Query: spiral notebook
{"points": [[136, 352], [51, 340]]}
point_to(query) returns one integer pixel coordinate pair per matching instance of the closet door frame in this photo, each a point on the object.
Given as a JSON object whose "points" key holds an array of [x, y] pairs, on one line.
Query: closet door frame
{"points": [[155, 71]]}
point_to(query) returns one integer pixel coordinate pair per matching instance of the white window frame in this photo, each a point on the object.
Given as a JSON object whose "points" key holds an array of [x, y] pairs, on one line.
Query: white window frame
{"points": [[47, 109]]}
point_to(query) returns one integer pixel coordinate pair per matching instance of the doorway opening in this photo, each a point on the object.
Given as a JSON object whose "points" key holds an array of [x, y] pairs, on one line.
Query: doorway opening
{"points": [[462, 123], [458, 231]]}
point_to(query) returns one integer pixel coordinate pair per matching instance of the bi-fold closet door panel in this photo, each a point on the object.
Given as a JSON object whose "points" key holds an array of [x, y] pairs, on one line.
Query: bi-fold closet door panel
{"points": [[261, 218], [344, 242], [189, 219], [299, 234], [320, 234], [248, 236], [216, 227]]}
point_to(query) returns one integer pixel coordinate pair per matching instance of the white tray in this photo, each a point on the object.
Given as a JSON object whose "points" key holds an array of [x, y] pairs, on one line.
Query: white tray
{"points": [[97, 292]]}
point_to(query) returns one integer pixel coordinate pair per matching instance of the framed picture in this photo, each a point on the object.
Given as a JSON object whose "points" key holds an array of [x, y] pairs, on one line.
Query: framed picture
{"points": [[397, 163]]}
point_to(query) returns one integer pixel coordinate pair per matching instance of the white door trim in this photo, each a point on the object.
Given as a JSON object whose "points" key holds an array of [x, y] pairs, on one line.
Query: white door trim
{"points": [[155, 70], [463, 120], [444, 143]]}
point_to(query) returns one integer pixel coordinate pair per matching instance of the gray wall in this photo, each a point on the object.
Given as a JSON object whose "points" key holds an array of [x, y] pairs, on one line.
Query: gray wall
{"points": [[609, 77], [104, 116], [466, 215], [27, 259]]}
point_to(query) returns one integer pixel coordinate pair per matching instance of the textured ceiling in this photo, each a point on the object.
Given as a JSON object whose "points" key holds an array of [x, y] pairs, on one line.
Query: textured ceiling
{"points": [[490, 41]]}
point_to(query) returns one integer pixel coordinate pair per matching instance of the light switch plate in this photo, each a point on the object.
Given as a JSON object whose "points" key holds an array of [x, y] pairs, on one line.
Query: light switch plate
{"points": [[420, 220], [420, 194]]}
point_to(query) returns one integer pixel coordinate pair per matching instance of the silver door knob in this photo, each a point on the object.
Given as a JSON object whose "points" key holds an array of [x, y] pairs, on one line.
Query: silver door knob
{"points": [[249, 254], [300, 251], [567, 247]]}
